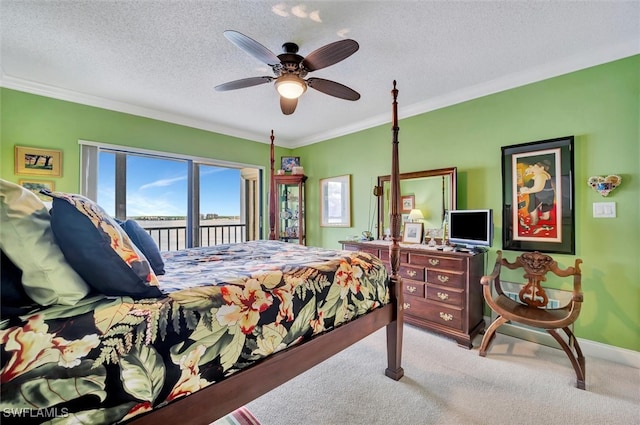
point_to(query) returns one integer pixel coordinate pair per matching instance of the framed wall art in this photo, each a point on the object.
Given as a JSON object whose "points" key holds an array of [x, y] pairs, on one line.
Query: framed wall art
{"points": [[38, 162], [407, 203], [288, 162], [36, 186], [335, 201], [538, 196]]}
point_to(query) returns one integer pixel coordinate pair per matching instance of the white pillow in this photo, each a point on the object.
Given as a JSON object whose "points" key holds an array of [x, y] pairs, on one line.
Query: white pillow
{"points": [[27, 239]]}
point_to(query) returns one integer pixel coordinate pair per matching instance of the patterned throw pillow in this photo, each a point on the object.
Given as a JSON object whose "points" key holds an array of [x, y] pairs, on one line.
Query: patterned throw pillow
{"points": [[99, 249], [27, 240]]}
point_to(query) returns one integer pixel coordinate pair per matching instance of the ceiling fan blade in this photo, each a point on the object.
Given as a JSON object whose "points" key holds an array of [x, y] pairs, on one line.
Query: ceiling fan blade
{"points": [[330, 54], [245, 82], [288, 106], [252, 47], [333, 89]]}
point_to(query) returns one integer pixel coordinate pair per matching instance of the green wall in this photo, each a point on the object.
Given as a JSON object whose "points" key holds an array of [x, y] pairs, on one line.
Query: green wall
{"points": [[600, 106], [36, 121]]}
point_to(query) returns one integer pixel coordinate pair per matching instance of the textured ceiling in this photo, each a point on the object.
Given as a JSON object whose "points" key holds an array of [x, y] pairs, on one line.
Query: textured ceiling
{"points": [[162, 59]]}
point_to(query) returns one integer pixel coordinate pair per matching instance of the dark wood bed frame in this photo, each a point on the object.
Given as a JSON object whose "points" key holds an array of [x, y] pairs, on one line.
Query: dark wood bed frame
{"points": [[217, 400]]}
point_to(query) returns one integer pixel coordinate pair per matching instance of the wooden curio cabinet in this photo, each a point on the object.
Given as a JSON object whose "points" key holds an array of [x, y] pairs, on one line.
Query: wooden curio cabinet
{"points": [[290, 208]]}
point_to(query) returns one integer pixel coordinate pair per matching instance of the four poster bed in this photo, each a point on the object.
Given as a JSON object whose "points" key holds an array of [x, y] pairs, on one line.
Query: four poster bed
{"points": [[222, 326]]}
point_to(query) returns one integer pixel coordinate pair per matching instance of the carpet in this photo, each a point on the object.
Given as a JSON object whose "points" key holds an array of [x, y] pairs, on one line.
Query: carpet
{"points": [[519, 382], [241, 416]]}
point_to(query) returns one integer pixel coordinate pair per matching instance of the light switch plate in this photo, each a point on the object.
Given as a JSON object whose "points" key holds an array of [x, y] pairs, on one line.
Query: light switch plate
{"points": [[604, 209]]}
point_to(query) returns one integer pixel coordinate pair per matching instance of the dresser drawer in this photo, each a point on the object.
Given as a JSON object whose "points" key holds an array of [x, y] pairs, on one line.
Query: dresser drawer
{"points": [[410, 287], [359, 247], [433, 312], [411, 272], [445, 277], [436, 261], [384, 256], [442, 294]]}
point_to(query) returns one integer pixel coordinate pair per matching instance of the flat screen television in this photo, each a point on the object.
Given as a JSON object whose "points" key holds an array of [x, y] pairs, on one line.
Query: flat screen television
{"points": [[471, 228]]}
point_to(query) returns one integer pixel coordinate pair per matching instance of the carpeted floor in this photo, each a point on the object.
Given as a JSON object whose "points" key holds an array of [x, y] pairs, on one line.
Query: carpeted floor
{"points": [[519, 382]]}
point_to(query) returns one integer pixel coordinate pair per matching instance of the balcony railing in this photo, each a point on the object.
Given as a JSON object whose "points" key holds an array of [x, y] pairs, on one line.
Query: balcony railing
{"points": [[175, 237]]}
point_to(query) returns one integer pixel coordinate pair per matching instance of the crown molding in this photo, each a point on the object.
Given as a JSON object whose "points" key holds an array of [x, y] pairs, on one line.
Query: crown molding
{"points": [[565, 66]]}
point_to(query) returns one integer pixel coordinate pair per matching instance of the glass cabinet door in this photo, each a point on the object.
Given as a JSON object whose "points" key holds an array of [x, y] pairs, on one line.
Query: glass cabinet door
{"points": [[290, 208]]}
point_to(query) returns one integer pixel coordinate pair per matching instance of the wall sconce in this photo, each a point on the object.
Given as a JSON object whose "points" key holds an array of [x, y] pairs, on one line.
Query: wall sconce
{"points": [[604, 185]]}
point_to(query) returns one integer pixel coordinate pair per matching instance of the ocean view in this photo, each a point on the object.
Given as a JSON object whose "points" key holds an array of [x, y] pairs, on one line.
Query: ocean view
{"points": [[171, 235]]}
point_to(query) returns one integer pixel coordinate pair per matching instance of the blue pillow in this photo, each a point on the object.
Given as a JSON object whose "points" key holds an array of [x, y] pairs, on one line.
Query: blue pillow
{"points": [[15, 300], [145, 243], [99, 249]]}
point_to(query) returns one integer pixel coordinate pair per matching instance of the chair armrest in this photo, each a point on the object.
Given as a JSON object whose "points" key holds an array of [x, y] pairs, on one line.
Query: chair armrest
{"points": [[495, 274]]}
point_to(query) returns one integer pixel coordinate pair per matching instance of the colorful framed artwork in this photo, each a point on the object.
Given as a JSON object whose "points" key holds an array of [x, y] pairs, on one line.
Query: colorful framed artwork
{"points": [[407, 203], [412, 233], [36, 186], [538, 196], [38, 162], [335, 201], [288, 162]]}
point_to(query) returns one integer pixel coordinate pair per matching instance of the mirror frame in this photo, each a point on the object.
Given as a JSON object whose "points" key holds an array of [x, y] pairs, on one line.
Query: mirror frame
{"points": [[450, 172]]}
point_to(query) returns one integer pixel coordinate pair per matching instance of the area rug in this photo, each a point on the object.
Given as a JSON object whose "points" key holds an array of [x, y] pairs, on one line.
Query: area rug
{"points": [[241, 416]]}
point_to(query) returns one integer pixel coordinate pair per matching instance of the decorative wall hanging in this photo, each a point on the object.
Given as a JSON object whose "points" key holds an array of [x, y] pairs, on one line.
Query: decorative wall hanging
{"points": [[335, 201], [604, 185], [36, 186], [538, 196], [408, 203], [38, 162]]}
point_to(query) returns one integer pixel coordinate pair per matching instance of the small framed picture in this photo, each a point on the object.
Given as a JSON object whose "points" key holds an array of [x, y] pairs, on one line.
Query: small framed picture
{"points": [[38, 162], [288, 162], [412, 233], [36, 186], [407, 202]]}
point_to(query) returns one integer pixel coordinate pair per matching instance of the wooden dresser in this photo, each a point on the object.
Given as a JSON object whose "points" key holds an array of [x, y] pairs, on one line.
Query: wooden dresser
{"points": [[441, 290]]}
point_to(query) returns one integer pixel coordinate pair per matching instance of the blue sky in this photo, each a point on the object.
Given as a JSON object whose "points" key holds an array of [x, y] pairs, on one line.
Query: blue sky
{"points": [[159, 187]]}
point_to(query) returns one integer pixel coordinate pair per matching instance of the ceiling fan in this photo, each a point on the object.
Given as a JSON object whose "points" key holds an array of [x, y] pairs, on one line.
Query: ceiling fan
{"points": [[290, 69]]}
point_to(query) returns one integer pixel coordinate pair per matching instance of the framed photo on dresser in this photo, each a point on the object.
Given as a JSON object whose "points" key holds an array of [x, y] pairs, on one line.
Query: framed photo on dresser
{"points": [[412, 233]]}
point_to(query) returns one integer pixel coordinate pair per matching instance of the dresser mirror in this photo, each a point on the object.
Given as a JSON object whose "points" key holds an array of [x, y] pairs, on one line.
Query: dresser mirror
{"points": [[432, 192]]}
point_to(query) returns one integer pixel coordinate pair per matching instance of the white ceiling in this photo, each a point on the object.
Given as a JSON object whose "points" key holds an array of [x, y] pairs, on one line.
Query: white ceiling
{"points": [[162, 59]]}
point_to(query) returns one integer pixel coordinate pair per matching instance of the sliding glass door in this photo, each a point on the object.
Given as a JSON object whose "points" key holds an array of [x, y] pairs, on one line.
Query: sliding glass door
{"points": [[181, 202]]}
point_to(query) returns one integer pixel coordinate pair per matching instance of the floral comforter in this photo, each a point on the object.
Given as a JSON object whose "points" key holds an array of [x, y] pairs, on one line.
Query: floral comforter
{"points": [[106, 360]]}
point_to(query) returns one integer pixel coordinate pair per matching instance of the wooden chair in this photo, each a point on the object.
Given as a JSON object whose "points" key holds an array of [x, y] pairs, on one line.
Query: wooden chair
{"points": [[531, 310]]}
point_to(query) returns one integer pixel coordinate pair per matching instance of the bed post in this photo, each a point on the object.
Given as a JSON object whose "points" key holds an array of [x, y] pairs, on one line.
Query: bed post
{"points": [[272, 196], [394, 329]]}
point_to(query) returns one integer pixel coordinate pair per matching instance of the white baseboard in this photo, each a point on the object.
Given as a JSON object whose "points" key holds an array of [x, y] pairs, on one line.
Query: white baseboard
{"points": [[589, 348]]}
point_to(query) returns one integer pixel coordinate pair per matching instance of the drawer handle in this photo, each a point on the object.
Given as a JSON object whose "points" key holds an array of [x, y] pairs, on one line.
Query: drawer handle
{"points": [[443, 296], [434, 261], [406, 306], [447, 317], [412, 273], [411, 289], [443, 279]]}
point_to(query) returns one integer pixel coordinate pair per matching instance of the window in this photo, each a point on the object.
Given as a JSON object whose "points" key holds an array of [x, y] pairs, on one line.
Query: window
{"points": [[181, 201]]}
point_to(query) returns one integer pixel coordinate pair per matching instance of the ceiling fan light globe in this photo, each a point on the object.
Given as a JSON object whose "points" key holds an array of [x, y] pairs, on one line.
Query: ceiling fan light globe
{"points": [[290, 86]]}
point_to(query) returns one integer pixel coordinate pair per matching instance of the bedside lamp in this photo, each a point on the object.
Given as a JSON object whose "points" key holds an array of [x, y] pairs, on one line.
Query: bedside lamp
{"points": [[415, 215]]}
